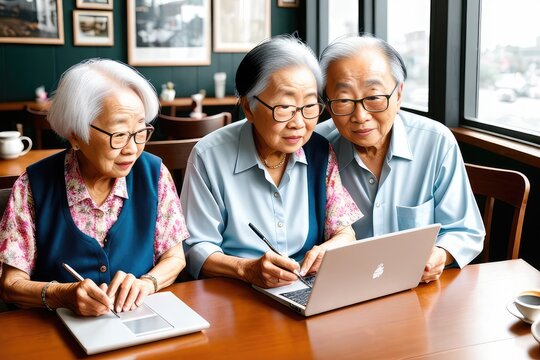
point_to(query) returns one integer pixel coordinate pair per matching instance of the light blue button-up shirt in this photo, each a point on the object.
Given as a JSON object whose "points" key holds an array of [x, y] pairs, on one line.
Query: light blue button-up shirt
{"points": [[423, 181], [226, 187]]}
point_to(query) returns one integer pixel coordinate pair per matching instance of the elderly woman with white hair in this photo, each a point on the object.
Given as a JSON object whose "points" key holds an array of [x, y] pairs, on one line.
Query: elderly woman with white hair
{"points": [[270, 170], [104, 207]]}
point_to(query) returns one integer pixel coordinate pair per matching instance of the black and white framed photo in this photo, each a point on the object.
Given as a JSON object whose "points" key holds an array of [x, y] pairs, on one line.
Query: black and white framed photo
{"points": [[168, 33], [95, 4], [93, 28], [31, 22], [239, 25]]}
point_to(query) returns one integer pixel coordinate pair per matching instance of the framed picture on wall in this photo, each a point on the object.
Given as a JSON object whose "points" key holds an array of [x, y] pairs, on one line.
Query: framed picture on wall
{"points": [[288, 3], [168, 33], [239, 25], [93, 28], [31, 22], [95, 4]]}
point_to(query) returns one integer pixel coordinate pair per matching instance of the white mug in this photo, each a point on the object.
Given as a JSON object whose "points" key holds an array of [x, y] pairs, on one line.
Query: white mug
{"points": [[11, 144], [219, 84]]}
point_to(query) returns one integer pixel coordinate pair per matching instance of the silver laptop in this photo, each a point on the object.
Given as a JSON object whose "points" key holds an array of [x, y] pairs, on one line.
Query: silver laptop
{"points": [[161, 316], [363, 270]]}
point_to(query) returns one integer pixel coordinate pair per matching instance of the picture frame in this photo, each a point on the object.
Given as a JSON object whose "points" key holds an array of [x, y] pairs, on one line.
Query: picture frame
{"points": [[93, 28], [95, 4], [288, 3], [239, 25], [167, 33], [36, 22]]}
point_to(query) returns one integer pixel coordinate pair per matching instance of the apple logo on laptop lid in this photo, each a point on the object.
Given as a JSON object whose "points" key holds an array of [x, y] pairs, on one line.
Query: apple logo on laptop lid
{"points": [[378, 271]]}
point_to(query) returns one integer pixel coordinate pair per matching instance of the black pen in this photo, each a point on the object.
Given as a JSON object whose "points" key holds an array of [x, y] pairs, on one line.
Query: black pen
{"points": [[77, 276], [263, 238]]}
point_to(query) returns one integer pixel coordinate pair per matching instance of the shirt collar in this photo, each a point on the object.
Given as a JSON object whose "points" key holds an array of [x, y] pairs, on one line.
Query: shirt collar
{"points": [[246, 156], [399, 143], [75, 188]]}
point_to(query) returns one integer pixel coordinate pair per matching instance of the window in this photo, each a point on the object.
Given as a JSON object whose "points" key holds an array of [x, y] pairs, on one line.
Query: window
{"points": [[506, 92], [409, 35], [342, 18]]}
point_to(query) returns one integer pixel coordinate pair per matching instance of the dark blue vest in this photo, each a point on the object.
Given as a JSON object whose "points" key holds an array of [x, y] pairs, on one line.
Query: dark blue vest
{"points": [[316, 150], [129, 244]]}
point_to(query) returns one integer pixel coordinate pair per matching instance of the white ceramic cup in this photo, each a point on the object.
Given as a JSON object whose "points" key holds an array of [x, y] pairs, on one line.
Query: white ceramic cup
{"points": [[219, 82], [528, 303], [11, 144]]}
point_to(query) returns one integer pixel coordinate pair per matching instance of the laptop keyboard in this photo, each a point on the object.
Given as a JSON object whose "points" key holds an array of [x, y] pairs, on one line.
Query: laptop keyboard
{"points": [[301, 296]]}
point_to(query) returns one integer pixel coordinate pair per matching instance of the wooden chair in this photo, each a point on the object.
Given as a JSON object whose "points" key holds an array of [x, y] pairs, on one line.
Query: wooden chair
{"points": [[7, 181], [38, 119], [174, 154], [177, 128], [510, 187]]}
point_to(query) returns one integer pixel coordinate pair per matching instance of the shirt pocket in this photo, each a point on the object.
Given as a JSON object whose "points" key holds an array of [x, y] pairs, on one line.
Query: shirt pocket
{"points": [[412, 217]]}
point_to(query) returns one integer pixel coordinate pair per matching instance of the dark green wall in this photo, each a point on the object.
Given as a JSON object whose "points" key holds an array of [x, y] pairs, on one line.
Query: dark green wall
{"points": [[25, 67]]}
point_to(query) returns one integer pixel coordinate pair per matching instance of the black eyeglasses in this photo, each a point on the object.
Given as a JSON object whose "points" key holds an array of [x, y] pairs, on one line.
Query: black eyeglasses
{"points": [[284, 113], [118, 140], [373, 103]]}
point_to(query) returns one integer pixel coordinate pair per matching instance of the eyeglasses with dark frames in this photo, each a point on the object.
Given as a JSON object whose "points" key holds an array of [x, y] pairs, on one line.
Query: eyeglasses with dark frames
{"points": [[118, 140], [284, 113], [373, 103]]}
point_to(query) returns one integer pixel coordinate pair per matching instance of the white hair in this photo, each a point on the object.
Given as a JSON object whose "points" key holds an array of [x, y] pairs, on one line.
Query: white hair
{"points": [[348, 46], [276, 53], [78, 100]]}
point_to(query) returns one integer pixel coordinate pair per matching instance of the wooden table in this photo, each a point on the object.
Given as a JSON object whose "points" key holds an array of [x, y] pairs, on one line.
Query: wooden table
{"points": [[15, 167], [462, 316], [178, 102]]}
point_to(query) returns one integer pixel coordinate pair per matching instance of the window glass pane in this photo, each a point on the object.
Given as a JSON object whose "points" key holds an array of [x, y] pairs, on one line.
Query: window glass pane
{"points": [[409, 35], [509, 77], [342, 18]]}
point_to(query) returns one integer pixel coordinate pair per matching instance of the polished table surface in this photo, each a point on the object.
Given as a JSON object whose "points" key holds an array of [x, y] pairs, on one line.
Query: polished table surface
{"points": [[15, 167], [461, 316]]}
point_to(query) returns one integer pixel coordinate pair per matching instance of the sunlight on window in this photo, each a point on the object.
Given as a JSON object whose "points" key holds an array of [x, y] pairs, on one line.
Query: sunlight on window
{"points": [[409, 35], [342, 18], [509, 81]]}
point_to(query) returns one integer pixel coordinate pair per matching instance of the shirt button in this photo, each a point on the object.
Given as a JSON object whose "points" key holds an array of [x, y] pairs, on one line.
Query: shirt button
{"points": [[103, 268], [276, 194], [372, 181], [280, 224], [377, 205]]}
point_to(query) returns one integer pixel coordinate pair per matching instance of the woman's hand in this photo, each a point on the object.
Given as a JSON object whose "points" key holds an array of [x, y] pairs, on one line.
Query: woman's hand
{"points": [[127, 291], [270, 270], [87, 299], [312, 260]]}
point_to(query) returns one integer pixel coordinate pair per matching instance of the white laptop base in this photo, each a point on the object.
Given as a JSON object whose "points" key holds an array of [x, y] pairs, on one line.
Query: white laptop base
{"points": [[364, 270], [161, 316]]}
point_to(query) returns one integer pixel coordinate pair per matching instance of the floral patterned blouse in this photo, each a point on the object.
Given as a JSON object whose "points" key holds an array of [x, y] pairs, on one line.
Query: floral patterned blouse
{"points": [[17, 228]]}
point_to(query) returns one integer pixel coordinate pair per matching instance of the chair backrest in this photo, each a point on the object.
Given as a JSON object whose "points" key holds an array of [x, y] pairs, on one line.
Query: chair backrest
{"points": [[38, 120], [177, 128], [174, 154], [4, 197], [7, 181], [508, 186]]}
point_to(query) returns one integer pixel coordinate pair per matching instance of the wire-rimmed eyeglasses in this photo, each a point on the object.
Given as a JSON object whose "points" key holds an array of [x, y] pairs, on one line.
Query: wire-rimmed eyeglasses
{"points": [[373, 103], [118, 140], [284, 113]]}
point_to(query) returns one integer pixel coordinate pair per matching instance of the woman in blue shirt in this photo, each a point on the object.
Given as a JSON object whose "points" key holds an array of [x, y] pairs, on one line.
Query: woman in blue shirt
{"points": [[270, 170]]}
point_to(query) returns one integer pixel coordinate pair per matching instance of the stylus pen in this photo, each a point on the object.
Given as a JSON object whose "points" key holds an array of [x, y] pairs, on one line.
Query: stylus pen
{"points": [[77, 276], [263, 238]]}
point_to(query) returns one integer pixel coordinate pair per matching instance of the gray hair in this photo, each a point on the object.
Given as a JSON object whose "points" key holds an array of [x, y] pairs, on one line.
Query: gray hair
{"points": [[348, 46], [276, 53], [78, 100]]}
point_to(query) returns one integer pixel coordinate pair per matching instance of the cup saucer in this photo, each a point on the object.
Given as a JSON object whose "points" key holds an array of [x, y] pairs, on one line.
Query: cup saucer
{"points": [[512, 309], [535, 329]]}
